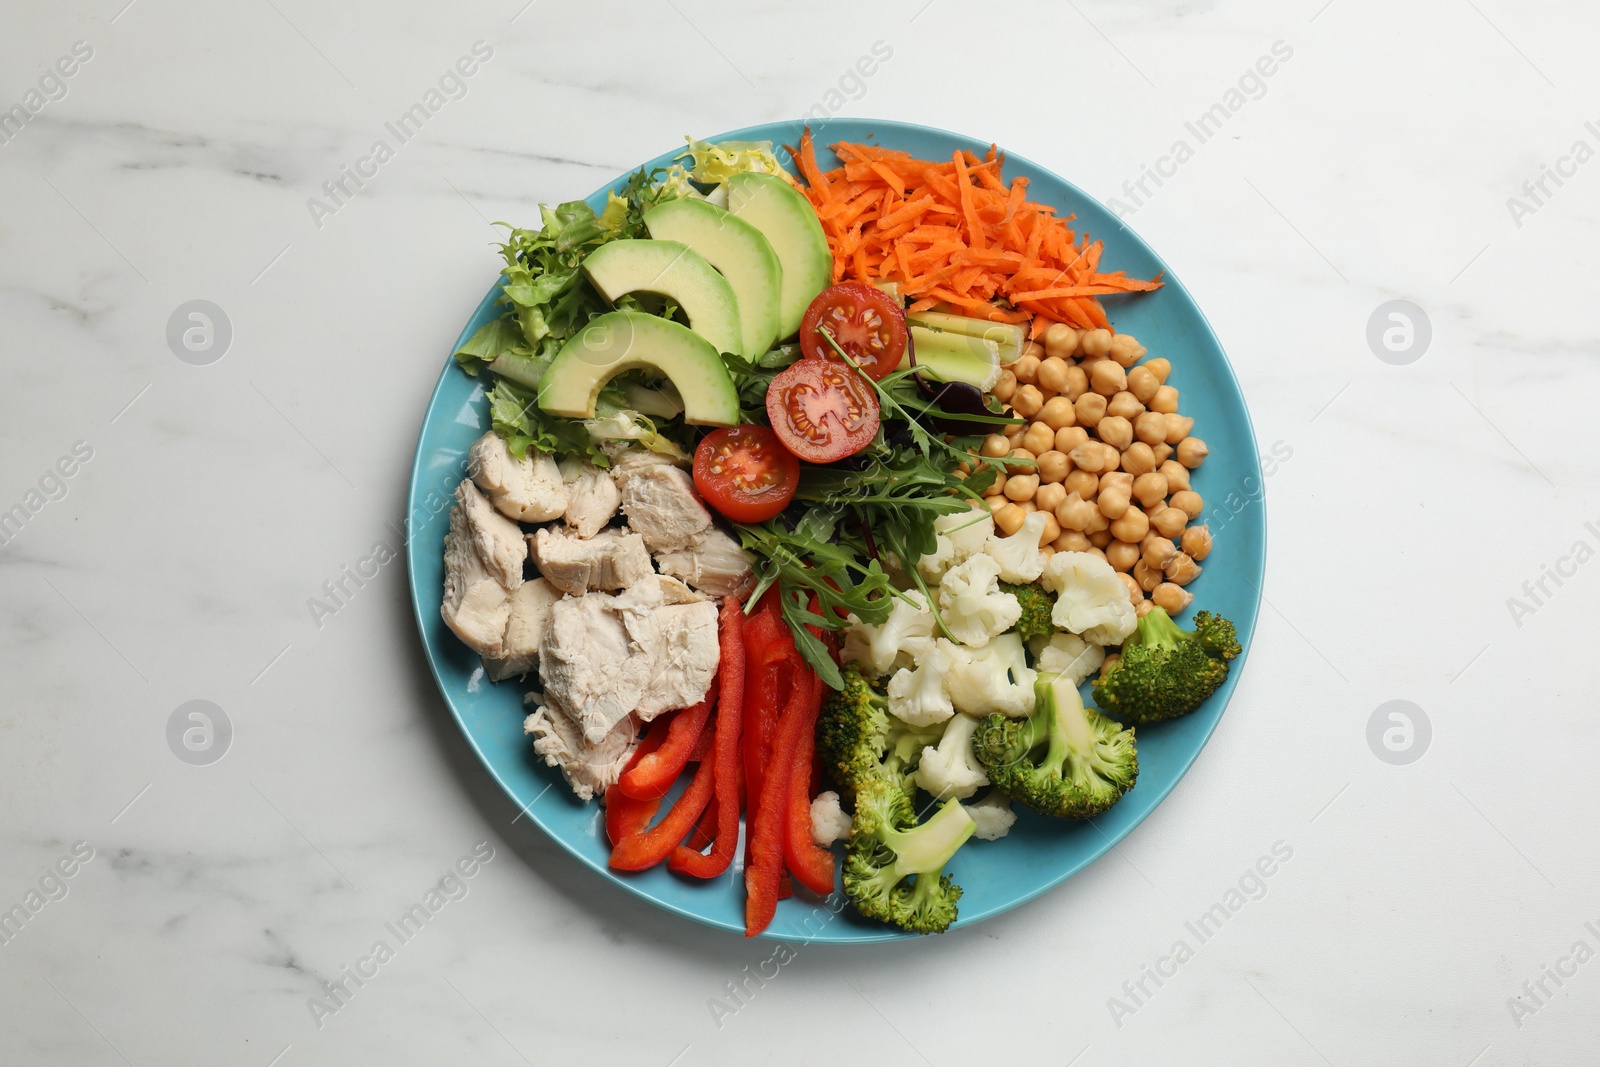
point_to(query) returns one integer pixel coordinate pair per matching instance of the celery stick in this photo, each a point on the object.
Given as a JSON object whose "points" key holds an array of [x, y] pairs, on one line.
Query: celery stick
{"points": [[1009, 337]]}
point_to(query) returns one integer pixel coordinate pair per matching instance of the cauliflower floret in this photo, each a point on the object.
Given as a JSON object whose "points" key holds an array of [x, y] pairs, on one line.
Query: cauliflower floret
{"points": [[829, 823], [1018, 555], [919, 697], [994, 679], [961, 535], [993, 815], [1067, 654], [951, 769], [1091, 600], [972, 605], [877, 648]]}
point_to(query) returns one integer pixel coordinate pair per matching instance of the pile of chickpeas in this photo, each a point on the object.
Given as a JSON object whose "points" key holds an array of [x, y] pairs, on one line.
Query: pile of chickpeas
{"points": [[1106, 457]]}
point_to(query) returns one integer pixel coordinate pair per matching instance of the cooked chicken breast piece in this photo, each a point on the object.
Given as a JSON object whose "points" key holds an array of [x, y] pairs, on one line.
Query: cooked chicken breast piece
{"points": [[588, 768], [712, 563], [592, 499], [679, 645], [498, 540], [524, 490], [661, 504], [588, 663], [611, 559], [476, 606], [530, 612]]}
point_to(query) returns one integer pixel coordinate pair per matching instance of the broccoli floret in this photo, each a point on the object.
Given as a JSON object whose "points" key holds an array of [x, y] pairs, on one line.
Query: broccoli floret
{"points": [[1063, 760], [887, 847], [1037, 603], [858, 740], [1167, 671]]}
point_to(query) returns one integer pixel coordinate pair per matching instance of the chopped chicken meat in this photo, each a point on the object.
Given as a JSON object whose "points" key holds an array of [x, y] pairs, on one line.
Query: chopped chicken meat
{"points": [[588, 768], [530, 612], [679, 645], [661, 504], [611, 559], [525, 490], [592, 498], [712, 563], [498, 540], [476, 606]]}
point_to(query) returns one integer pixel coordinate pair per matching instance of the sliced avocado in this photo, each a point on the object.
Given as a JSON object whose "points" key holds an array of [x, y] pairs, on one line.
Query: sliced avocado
{"points": [[779, 211], [621, 340], [678, 273], [739, 251], [955, 357]]}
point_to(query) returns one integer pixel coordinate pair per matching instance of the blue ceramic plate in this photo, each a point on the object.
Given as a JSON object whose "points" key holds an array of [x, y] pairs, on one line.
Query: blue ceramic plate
{"points": [[1039, 853]]}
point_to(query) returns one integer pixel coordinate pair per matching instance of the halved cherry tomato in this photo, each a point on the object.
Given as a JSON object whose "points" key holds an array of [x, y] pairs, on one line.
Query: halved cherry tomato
{"points": [[822, 410], [745, 472], [864, 321]]}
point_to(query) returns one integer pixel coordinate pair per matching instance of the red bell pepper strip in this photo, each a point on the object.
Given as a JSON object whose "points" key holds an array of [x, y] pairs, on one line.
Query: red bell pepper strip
{"points": [[646, 848], [624, 814], [811, 864], [727, 724], [767, 644], [653, 775], [763, 873]]}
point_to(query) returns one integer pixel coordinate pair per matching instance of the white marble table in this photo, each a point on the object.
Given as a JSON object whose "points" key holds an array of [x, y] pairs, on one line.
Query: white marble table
{"points": [[1415, 525]]}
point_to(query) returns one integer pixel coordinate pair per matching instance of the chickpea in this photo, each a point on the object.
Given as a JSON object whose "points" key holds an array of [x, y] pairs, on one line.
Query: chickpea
{"points": [[994, 446], [1014, 435], [1047, 551], [1005, 386], [1115, 431], [1058, 414], [1149, 488], [1098, 542], [1113, 502], [1108, 663], [1162, 452], [1111, 457], [1090, 408], [1088, 457], [1181, 569], [1083, 483], [1135, 594], [1197, 542], [1138, 459], [1050, 495], [1160, 368], [1122, 556], [1143, 384], [1020, 487], [1151, 428], [1053, 375], [1009, 519], [1028, 507], [1073, 513], [1169, 522], [1171, 598], [996, 503], [1026, 369], [1032, 348], [1177, 475], [1126, 349], [1053, 465], [1077, 382], [1142, 608], [1125, 405], [1107, 378], [1098, 524], [1072, 541], [1061, 340], [1070, 437], [1096, 344], [1040, 437], [1165, 400], [1147, 576], [1116, 480], [1178, 427], [1027, 401], [1020, 462], [962, 470], [1052, 528], [1188, 501], [997, 487], [1192, 452], [1132, 526], [1156, 550]]}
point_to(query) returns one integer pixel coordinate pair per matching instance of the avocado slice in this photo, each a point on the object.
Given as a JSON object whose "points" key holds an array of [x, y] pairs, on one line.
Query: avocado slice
{"points": [[739, 251], [779, 211], [622, 340], [678, 273]]}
